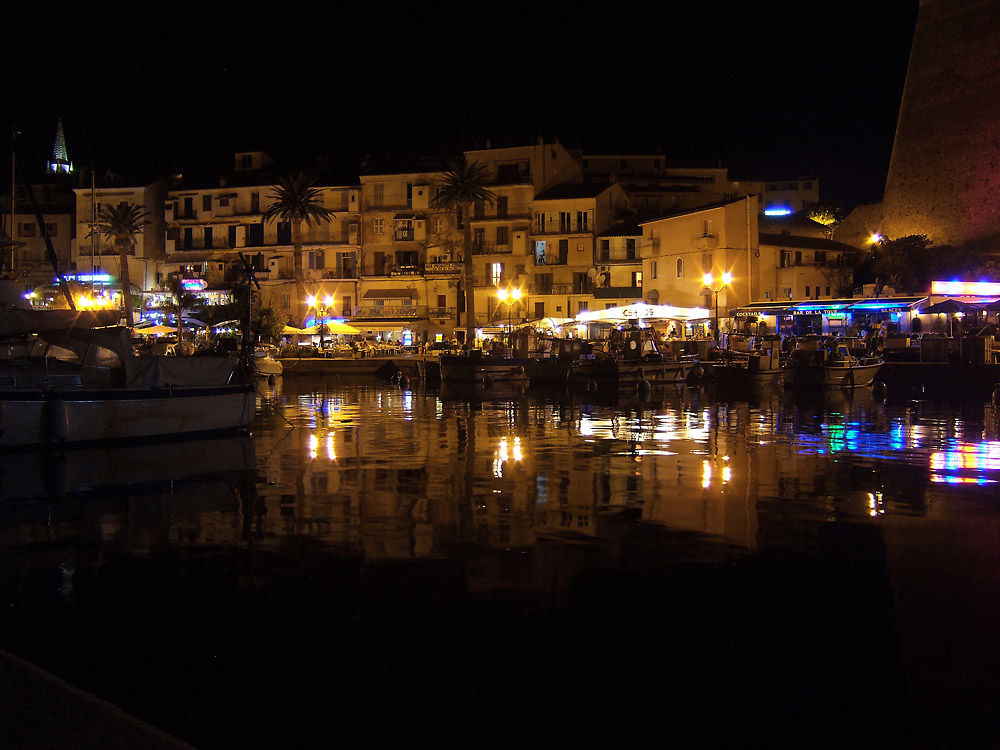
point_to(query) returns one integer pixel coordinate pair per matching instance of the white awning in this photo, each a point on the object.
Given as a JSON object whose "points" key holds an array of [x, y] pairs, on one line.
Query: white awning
{"points": [[642, 311]]}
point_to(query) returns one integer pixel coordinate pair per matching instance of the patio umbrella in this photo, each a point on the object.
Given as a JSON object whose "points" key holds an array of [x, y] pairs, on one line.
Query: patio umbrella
{"points": [[291, 331], [156, 330], [952, 306], [335, 326]]}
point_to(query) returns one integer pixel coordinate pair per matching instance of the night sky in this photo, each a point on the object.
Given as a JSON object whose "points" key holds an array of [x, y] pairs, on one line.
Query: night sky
{"points": [[769, 90]]}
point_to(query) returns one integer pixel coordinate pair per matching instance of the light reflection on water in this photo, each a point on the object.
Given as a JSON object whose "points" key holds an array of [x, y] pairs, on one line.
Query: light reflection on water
{"points": [[873, 514], [363, 457]]}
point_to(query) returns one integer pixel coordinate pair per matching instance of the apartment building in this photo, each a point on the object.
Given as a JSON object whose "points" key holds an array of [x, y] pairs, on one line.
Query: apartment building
{"points": [[94, 255], [210, 224]]}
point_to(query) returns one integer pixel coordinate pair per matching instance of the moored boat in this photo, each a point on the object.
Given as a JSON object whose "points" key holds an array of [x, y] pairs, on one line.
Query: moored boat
{"points": [[80, 384], [628, 360], [264, 362], [755, 368], [836, 367], [476, 368]]}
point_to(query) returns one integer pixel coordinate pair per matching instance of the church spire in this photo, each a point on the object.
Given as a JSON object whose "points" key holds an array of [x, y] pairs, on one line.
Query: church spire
{"points": [[60, 163]]}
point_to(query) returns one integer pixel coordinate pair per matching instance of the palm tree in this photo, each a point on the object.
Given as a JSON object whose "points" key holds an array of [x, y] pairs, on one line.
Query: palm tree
{"points": [[120, 224], [295, 200], [460, 187], [183, 301]]}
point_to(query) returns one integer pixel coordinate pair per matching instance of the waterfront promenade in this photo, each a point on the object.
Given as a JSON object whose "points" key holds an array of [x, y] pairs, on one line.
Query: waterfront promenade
{"points": [[41, 711]]}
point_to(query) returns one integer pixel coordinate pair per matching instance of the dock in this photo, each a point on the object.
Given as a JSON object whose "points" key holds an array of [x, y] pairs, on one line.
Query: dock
{"points": [[414, 366]]}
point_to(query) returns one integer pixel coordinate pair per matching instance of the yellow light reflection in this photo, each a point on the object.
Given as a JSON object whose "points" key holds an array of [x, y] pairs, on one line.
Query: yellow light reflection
{"points": [[330, 452], [313, 446], [706, 474]]}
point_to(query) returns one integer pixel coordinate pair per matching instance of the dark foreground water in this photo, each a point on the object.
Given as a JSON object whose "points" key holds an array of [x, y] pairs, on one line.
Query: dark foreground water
{"points": [[378, 564]]}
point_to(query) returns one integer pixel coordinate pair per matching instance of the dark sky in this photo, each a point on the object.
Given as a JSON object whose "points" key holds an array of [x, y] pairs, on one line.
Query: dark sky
{"points": [[769, 90]]}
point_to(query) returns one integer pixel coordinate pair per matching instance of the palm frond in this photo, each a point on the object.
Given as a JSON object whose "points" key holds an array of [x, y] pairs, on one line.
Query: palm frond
{"points": [[464, 184], [294, 198]]}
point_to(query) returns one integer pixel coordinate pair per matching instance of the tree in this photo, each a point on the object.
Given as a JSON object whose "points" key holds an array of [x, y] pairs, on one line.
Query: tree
{"points": [[120, 224], [296, 200], [271, 324], [840, 273], [904, 263], [183, 301], [829, 216], [460, 187]]}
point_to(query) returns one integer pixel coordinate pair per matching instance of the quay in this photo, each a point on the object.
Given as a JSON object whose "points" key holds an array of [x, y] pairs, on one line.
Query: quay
{"points": [[414, 366], [42, 711]]}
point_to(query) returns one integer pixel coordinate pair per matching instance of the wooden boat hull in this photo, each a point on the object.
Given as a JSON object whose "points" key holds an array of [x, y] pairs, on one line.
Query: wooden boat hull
{"points": [[482, 370], [70, 416], [619, 373], [831, 375]]}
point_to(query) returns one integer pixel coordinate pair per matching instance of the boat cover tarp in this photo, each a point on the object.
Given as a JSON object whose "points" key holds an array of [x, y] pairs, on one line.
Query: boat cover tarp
{"points": [[152, 371], [19, 322]]}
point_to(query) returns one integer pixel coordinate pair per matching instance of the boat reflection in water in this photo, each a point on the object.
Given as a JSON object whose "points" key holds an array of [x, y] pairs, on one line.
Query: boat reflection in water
{"points": [[407, 557]]}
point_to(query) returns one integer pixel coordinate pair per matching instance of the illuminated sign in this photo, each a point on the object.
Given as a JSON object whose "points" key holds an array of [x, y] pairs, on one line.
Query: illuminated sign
{"points": [[988, 288], [88, 278], [777, 211], [194, 285]]}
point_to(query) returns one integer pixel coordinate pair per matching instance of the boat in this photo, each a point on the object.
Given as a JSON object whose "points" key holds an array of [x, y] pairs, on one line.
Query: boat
{"points": [[264, 363], [830, 366], [752, 368], [80, 383], [631, 359], [476, 368]]}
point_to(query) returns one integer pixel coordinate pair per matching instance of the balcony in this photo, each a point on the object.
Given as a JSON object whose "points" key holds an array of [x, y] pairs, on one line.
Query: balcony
{"points": [[491, 248], [407, 270], [618, 292], [705, 241], [618, 258], [390, 311], [542, 289]]}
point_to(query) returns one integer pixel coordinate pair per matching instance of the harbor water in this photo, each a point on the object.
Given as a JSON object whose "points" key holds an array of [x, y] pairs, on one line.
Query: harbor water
{"points": [[377, 563]]}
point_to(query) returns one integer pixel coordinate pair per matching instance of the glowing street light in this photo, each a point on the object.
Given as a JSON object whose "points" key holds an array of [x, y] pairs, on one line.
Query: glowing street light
{"points": [[509, 296], [716, 285], [322, 306]]}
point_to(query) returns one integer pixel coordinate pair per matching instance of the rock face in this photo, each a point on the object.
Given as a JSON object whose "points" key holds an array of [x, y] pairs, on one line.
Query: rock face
{"points": [[944, 174]]}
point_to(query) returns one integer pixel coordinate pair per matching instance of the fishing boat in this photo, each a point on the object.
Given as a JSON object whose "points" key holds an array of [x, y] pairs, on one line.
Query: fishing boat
{"points": [[630, 359], [752, 368], [80, 383], [476, 368], [831, 366]]}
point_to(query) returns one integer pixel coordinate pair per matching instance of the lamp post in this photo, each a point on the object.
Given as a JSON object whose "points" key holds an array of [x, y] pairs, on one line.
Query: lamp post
{"points": [[322, 306], [509, 296], [716, 285]]}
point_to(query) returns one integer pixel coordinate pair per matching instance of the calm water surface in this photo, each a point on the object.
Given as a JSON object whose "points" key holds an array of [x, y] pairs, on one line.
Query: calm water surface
{"points": [[379, 563]]}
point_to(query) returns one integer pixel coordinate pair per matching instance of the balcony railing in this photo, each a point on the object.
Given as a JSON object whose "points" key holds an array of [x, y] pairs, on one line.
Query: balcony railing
{"points": [[619, 257], [408, 270], [550, 289], [390, 311], [491, 248]]}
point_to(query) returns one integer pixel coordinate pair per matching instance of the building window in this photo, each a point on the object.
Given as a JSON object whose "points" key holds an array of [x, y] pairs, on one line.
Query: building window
{"points": [[503, 235], [479, 238], [807, 291], [495, 272], [605, 250], [786, 292], [378, 194], [224, 201], [652, 269], [680, 268], [502, 202], [828, 291], [438, 226], [564, 221], [582, 306], [285, 303], [206, 203], [378, 226], [26, 229], [583, 221]]}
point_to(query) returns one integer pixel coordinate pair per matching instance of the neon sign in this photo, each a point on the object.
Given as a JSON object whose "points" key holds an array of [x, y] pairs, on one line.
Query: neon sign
{"points": [[971, 288]]}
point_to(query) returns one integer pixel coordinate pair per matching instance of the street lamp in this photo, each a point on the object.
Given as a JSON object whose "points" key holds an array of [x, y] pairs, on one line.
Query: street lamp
{"points": [[509, 297], [322, 306], [717, 285]]}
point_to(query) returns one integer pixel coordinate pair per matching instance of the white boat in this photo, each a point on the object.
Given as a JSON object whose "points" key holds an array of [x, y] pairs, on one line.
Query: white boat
{"points": [[264, 362], [836, 367], [80, 384]]}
